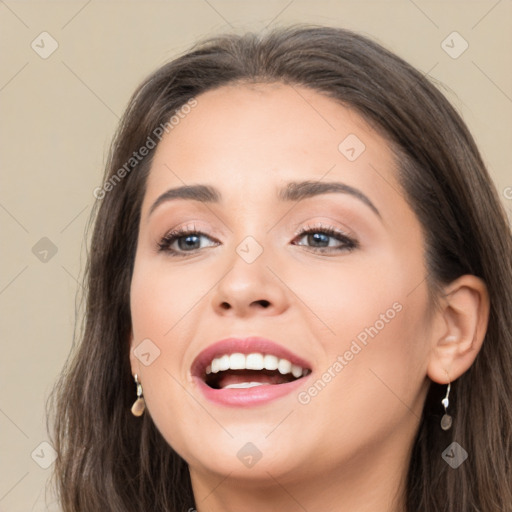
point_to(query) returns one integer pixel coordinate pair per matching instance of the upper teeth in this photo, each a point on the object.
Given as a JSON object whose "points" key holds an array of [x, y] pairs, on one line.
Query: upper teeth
{"points": [[254, 361]]}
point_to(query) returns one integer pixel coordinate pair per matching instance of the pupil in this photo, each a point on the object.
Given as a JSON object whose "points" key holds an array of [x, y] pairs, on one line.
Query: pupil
{"points": [[320, 237], [187, 240]]}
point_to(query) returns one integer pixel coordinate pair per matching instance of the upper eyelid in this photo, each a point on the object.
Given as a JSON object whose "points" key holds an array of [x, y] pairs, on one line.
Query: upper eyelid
{"points": [[179, 232], [298, 230], [320, 226]]}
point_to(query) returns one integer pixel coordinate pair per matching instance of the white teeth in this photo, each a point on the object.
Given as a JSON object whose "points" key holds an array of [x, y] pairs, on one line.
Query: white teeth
{"points": [[223, 363], [254, 361], [270, 362], [220, 364], [236, 362], [296, 371], [284, 366], [243, 385]]}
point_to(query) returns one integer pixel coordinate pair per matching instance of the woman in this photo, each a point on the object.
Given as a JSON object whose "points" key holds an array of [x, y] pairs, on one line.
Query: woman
{"points": [[299, 293]]}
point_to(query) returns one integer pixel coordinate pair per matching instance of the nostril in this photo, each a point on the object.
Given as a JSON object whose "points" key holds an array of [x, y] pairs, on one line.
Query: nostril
{"points": [[263, 302]]}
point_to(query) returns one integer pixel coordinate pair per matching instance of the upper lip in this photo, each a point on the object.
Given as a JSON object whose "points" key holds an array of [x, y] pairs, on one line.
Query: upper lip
{"points": [[246, 346]]}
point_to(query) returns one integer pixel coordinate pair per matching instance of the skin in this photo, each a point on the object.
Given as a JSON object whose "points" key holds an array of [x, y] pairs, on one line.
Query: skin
{"points": [[348, 448]]}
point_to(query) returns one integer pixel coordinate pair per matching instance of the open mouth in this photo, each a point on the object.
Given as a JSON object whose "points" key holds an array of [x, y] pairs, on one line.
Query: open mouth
{"points": [[236, 371]]}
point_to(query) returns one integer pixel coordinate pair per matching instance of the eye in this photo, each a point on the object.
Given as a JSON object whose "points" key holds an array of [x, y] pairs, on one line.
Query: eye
{"points": [[182, 240], [326, 239]]}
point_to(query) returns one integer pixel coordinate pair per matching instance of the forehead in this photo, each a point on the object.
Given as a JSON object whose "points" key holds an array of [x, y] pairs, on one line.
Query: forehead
{"points": [[280, 115], [252, 137]]}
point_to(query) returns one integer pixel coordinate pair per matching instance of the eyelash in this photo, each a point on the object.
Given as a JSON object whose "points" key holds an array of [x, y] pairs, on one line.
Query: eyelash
{"points": [[349, 243]]}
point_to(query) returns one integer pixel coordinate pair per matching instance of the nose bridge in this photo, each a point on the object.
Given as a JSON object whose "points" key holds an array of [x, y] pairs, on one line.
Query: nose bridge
{"points": [[249, 285], [250, 232]]}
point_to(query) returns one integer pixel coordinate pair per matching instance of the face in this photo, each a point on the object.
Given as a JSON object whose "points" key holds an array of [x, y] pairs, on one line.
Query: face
{"points": [[331, 280]]}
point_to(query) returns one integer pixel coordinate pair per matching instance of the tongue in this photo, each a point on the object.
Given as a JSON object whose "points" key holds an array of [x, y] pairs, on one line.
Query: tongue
{"points": [[263, 376]]}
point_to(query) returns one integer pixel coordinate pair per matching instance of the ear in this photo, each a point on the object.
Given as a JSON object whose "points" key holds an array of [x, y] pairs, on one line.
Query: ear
{"points": [[134, 362], [461, 324]]}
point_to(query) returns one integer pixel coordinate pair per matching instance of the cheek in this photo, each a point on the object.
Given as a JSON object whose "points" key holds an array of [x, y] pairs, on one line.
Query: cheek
{"points": [[159, 300], [382, 360], [373, 330], [161, 297], [349, 295]]}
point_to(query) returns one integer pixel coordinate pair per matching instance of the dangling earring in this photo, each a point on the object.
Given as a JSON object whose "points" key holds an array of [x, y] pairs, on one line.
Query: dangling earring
{"points": [[139, 405], [446, 420]]}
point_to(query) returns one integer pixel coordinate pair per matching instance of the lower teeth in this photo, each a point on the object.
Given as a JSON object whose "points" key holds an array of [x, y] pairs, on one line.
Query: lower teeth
{"points": [[243, 385]]}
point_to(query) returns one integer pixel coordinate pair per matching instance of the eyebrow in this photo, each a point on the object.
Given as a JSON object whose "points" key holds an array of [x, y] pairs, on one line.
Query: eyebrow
{"points": [[294, 191]]}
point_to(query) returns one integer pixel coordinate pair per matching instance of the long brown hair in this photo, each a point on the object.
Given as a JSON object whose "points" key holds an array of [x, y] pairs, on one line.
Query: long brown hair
{"points": [[110, 461]]}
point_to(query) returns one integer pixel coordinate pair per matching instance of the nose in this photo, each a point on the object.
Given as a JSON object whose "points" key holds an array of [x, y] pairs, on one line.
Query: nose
{"points": [[250, 288]]}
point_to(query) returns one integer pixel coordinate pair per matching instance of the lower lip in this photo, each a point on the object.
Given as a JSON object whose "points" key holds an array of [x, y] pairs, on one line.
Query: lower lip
{"points": [[245, 397]]}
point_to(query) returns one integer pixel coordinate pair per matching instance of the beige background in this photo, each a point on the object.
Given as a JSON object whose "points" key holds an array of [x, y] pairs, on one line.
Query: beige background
{"points": [[58, 115]]}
